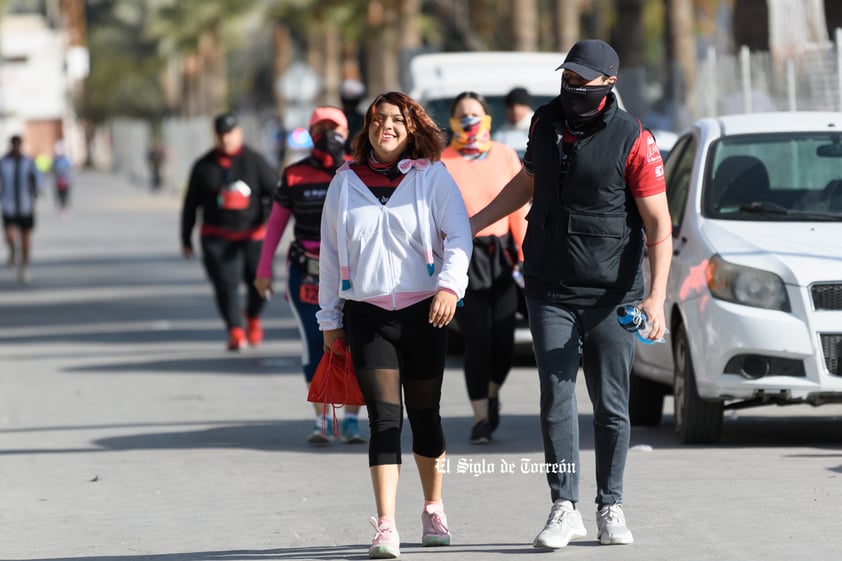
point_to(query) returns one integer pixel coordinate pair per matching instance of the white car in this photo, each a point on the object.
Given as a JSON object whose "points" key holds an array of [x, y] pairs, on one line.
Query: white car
{"points": [[754, 297]]}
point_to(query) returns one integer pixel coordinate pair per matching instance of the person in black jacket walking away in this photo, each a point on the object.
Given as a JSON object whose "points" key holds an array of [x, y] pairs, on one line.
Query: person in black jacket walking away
{"points": [[233, 185]]}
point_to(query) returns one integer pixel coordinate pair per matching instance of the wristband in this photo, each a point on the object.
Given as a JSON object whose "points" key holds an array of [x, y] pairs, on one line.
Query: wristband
{"points": [[659, 241]]}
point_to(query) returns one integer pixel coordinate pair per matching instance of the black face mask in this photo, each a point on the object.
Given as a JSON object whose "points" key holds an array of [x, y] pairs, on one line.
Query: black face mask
{"points": [[581, 103], [329, 149]]}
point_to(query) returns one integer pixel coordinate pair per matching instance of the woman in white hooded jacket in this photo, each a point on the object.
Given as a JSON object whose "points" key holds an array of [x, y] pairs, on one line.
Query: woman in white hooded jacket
{"points": [[395, 248]]}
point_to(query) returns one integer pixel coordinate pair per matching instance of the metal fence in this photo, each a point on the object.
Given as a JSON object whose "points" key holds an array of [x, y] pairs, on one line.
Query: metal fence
{"points": [[751, 82]]}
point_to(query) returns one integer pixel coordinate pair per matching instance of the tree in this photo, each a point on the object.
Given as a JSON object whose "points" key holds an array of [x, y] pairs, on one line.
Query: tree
{"points": [[196, 35], [681, 51], [525, 25], [628, 37], [751, 24], [567, 26], [125, 65]]}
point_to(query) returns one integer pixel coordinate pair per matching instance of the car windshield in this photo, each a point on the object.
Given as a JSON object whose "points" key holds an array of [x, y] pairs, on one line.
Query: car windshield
{"points": [[775, 177]]}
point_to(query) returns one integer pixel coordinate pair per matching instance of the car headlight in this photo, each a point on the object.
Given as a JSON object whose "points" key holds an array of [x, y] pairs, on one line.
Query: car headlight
{"points": [[746, 286]]}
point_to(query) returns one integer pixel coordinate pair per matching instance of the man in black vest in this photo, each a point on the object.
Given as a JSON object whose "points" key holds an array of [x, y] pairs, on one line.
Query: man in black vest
{"points": [[596, 181]]}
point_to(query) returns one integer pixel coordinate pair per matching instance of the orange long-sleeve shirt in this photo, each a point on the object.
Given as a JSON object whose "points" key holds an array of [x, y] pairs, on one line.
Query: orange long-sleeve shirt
{"points": [[481, 180]]}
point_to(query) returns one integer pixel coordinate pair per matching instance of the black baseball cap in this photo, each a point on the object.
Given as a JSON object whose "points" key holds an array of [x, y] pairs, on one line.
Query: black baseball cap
{"points": [[592, 58], [225, 122]]}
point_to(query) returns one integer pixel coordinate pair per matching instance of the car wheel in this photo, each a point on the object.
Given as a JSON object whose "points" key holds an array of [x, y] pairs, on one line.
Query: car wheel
{"points": [[697, 421], [646, 401]]}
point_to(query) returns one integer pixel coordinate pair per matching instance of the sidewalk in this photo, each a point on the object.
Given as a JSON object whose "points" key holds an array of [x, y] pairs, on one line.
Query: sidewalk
{"points": [[128, 433]]}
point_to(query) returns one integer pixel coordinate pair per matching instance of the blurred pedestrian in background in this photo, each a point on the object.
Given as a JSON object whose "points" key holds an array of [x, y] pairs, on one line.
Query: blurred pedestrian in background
{"points": [[515, 131], [156, 156], [595, 178], [394, 257], [301, 196], [352, 92], [481, 168], [20, 186], [233, 186], [62, 169]]}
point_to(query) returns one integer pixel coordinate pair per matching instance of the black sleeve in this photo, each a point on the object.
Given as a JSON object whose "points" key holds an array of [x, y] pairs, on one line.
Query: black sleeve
{"points": [[268, 185], [283, 195], [33, 180], [191, 205], [269, 178]]}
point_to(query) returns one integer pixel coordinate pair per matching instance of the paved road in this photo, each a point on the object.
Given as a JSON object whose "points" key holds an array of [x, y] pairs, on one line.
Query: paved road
{"points": [[128, 433]]}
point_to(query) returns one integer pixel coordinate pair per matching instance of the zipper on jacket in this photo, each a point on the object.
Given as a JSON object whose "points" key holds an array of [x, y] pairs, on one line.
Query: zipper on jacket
{"points": [[390, 256]]}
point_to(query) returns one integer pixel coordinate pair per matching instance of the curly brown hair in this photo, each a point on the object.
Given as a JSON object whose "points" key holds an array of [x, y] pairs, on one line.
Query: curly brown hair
{"points": [[426, 140]]}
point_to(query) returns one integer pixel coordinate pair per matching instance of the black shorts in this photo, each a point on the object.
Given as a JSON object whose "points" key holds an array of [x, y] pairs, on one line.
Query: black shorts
{"points": [[22, 222], [402, 340]]}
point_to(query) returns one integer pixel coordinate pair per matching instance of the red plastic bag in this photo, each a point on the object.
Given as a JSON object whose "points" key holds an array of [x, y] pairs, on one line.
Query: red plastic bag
{"points": [[335, 382]]}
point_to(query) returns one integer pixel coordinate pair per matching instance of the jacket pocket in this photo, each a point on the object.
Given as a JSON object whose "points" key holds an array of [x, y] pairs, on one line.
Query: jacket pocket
{"points": [[594, 244]]}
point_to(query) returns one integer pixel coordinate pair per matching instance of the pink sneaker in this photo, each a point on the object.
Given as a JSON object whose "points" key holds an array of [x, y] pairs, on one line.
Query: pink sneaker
{"points": [[386, 543], [434, 531]]}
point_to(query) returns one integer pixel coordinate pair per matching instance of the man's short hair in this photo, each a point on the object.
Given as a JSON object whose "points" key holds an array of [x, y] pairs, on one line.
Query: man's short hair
{"points": [[518, 96]]}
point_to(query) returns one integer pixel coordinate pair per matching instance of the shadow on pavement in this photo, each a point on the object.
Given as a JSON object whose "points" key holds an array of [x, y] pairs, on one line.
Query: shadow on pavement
{"points": [[752, 431], [83, 312], [355, 551], [330, 552], [229, 363], [519, 435]]}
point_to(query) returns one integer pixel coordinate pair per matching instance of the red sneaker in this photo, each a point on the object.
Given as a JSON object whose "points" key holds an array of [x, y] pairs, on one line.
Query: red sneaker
{"points": [[254, 331], [236, 339]]}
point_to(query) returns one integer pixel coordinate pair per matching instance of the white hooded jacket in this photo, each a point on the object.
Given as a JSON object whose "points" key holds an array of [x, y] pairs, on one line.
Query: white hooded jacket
{"points": [[392, 255]]}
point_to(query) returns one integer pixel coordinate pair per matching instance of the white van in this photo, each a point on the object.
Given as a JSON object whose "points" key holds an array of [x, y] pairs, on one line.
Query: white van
{"points": [[435, 79]]}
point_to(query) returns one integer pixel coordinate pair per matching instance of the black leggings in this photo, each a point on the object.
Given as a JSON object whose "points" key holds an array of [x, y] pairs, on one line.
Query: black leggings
{"points": [[487, 324], [393, 350], [228, 263]]}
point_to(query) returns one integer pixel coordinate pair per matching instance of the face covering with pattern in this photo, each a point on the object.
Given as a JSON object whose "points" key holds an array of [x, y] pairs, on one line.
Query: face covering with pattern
{"points": [[471, 135], [581, 103], [329, 149]]}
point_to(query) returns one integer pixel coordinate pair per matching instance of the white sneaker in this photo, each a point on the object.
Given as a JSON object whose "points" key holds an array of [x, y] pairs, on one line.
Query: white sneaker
{"points": [[563, 525], [611, 523]]}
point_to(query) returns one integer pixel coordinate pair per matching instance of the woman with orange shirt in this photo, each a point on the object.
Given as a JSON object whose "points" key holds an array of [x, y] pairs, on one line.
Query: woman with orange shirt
{"points": [[481, 167]]}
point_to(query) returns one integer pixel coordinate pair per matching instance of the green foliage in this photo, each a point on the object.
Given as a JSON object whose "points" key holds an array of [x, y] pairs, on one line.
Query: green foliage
{"points": [[124, 66]]}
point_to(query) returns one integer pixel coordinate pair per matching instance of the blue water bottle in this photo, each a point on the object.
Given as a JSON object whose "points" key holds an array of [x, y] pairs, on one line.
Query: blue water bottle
{"points": [[634, 320]]}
